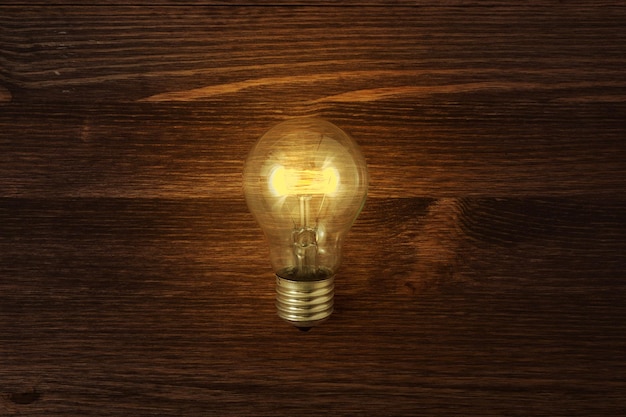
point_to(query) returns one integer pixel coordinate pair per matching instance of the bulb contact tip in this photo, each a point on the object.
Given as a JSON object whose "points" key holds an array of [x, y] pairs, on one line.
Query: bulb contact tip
{"points": [[304, 304]]}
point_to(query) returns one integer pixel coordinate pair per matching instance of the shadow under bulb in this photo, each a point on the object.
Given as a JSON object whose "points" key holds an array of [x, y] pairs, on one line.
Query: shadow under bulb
{"points": [[305, 181]]}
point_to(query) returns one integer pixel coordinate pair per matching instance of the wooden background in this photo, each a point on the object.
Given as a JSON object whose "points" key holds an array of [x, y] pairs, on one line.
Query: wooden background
{"points": [[485, 275]]}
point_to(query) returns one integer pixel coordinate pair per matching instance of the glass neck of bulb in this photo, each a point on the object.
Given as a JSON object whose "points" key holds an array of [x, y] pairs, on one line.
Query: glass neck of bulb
{"points": [[305, 242], [305, 252]]}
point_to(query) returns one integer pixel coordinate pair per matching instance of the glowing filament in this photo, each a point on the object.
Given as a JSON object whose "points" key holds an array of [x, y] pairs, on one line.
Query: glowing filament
{"points": [[284, 182]]}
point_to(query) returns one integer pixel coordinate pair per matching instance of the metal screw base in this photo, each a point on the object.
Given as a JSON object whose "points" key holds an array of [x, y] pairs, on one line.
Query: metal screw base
{"points": [[304, 303]]}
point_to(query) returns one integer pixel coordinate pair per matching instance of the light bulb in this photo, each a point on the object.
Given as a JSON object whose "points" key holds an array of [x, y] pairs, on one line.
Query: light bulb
{"points": [[305, 181]]}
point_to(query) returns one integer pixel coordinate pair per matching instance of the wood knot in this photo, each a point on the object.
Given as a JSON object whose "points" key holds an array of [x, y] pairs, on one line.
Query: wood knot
{"points": [[24, 398]]}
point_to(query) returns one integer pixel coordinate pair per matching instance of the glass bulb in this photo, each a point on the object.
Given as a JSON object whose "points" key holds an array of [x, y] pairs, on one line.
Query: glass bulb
{"points": [[305, 181]]}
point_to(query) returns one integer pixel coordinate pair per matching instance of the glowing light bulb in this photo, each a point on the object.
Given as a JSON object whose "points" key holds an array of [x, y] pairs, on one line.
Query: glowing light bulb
{"points": [[305, 181]]}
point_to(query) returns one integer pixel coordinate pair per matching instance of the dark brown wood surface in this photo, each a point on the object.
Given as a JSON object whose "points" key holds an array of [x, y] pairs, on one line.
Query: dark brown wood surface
{"points": [[485, 276]]}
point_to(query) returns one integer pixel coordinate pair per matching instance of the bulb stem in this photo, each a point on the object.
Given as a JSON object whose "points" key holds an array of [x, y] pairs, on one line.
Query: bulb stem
{"points": [[305, 303]]}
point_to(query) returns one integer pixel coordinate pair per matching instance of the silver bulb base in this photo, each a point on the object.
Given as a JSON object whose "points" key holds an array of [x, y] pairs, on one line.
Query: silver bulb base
{"points": [[304, 304]]}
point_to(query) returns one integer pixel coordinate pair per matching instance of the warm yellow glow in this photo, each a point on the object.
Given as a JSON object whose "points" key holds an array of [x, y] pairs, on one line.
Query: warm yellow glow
{"points": [[285, 182]]}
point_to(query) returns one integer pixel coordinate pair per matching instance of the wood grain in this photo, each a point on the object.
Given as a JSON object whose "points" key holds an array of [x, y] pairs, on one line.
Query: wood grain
{"points": [[532, 95], [485, 275], [471, 307]]}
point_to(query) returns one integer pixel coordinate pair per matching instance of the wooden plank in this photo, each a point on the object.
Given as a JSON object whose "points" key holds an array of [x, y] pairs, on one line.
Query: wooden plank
{"points": [[69, 46], [138, 307], [303, 3], [198, 151]]}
